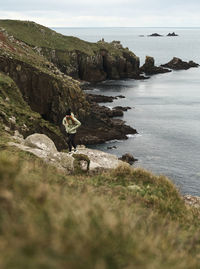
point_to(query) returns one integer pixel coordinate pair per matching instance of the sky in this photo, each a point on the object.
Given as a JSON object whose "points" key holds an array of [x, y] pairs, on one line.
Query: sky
{"points": [[104, 13]]}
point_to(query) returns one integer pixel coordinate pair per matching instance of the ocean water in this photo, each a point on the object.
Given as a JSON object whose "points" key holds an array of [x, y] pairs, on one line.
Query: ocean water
{"points": [[165, 109]]}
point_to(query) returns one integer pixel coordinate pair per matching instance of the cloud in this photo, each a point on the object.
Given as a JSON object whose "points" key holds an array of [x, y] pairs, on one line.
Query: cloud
{"points": [[105, 12]]}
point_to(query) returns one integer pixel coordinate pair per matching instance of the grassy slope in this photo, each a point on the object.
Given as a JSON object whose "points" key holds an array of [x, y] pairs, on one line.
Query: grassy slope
{"points": [[49, 220], [23, 49], [40, 36]]}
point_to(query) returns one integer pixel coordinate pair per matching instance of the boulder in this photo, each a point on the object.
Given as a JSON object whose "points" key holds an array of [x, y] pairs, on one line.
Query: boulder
{"points": [[100, 160], [83, 161], [149, 67], [128, 158], [178, 64], [40, 141]]}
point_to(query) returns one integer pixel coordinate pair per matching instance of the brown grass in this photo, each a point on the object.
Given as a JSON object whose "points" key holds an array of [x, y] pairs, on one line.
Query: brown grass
{"points": [[49, 220]]}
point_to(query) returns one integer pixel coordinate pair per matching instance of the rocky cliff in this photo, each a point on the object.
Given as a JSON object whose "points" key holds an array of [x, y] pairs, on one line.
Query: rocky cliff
{"points": [[74, 57], [49, 92]]}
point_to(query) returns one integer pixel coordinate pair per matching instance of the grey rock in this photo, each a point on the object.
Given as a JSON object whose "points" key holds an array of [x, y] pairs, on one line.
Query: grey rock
{"points": [[40, 141], [128, 158]]}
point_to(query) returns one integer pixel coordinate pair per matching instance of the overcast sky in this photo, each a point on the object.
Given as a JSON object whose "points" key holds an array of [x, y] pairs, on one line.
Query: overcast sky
{"points": [[91, 13]]}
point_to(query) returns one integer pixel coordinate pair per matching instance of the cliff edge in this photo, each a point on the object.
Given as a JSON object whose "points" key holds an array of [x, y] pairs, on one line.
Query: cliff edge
{"points": [[75, 57], [47, 90]]}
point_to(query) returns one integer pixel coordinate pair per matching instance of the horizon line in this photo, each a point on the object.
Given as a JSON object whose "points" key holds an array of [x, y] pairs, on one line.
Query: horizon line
{"points": [[124, 26]]}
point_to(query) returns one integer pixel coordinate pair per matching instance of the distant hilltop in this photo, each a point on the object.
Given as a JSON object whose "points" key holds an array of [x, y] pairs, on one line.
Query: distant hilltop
{"points": [[75, 57]]}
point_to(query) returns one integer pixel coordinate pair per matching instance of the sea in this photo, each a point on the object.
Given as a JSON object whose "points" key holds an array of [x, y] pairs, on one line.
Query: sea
{"points": [[165, 108]]}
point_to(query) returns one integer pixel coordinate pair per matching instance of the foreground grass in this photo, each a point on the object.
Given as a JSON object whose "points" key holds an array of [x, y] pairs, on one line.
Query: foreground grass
{"points": [[122, 219]]}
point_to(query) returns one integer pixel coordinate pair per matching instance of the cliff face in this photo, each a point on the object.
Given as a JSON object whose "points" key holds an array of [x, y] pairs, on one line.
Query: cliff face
{"points": [[74, 57], [16, 115], [45, 93], [50, 92], [100, 66]]}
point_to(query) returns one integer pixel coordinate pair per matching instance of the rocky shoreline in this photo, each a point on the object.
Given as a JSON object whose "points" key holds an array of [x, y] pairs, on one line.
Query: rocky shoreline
{"points": [[48, 76], [103, 126], [87, 160]]}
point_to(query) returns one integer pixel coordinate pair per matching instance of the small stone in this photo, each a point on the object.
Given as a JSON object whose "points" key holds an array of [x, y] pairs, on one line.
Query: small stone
{"points": [[18, 68], [134, 187], [12, 120], [6, 128]]}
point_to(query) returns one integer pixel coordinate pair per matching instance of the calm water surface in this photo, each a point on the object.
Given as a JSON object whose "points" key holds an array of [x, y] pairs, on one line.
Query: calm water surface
{"points": [[165, 109]]}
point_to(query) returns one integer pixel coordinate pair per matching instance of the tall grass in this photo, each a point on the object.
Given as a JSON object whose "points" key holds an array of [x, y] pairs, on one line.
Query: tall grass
{"points": [[50, 220]]}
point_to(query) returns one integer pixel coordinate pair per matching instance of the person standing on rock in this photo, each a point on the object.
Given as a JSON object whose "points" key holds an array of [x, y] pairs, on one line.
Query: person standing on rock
{"points": [[71, 125]]}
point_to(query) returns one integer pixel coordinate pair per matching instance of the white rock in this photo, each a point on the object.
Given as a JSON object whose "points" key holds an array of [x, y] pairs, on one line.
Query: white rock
{"points": [[134, 187], [62, 161], [6, 128], [42, 142], [43, 147], [100, 159], [12, 120], [19, 137]]}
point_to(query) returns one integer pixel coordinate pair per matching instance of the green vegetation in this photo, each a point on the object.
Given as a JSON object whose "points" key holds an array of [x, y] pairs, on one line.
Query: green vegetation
{"points": [[44, 37], [37, 35], [50, 220]]}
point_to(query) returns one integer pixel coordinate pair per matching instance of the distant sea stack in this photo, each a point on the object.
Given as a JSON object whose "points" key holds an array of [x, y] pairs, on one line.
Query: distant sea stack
{"points": [[159, 35], [155, 35], [178, 64], [172, 34], [149, 67]]}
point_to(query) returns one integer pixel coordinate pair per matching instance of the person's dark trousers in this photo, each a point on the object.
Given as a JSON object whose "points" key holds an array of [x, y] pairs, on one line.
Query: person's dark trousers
{"points": [[71, 141]]}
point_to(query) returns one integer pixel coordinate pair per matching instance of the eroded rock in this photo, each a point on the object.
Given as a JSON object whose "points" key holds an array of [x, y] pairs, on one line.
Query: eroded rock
{"points": [[128, 158], [149, 67], [84, 160], [155, 35], [123, 108], [172, 34], [40, 141], [178, 64]]}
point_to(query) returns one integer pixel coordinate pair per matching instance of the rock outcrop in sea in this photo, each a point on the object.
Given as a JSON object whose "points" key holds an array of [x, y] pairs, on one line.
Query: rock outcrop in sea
{"points": [[155, 35], [149, 67], [178, 64], [172, 34]]}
